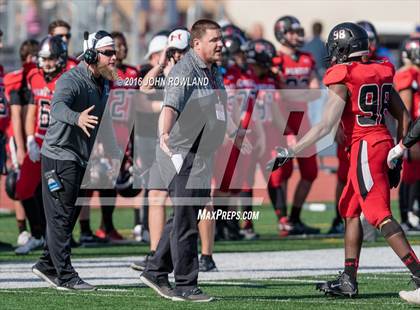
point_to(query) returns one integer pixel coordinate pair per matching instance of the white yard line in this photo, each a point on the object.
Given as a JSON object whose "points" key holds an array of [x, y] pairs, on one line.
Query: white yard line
{"points": [[283, 266]]}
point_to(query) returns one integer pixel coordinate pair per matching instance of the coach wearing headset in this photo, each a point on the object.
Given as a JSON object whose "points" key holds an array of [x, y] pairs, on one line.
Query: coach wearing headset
{"points": [[76, 111]]}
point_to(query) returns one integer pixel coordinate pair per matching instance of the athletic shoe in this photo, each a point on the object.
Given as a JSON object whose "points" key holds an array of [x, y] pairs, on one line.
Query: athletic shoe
{"points": [[337, 227], [342, 286], [76, 284], [32, 245], [194, 295], [249, 234], [52, 280], [299, 228], [100, 233], [74, 243], [112, 236], [137, 232], [206, 264], [91, 239], [141, 264], [140, 234], [23, 238], [407, 227], [284, 226], [159, 285], [412, 297]]}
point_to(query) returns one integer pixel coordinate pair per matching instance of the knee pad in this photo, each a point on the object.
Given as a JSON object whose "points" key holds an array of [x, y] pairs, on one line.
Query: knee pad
{"points": [[390, 227]]}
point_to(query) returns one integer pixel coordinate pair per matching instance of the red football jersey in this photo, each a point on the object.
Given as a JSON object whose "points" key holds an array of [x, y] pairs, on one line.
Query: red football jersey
{"points": [[409, 78], [120, 100], [369, 86], [235, 80], [294, 72], [42, 93], [4, 110], [267, 96]]}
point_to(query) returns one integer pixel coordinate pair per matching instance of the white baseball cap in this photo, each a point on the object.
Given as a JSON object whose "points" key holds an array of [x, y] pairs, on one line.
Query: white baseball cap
{"points": [[157, 44], [179, 39]]}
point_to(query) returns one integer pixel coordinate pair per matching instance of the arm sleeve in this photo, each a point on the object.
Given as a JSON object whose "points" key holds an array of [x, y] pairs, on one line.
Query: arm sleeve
{"points": [[64, 96], [413, 135]]}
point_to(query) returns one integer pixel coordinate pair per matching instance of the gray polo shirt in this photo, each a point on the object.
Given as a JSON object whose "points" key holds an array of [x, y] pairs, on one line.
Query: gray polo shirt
{"points": [[76, 90], [198, 95]]}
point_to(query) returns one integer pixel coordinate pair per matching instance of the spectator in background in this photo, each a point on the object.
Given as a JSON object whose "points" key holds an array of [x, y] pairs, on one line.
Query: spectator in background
{"points": [[257, 31], [316, 46]]}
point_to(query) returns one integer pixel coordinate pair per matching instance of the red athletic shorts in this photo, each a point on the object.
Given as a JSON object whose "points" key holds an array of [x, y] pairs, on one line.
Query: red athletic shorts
{"points": [[343, 163], [367, 187], [29, 179]]}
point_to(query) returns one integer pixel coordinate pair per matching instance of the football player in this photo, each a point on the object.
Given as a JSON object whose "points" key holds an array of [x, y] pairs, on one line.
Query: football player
{"points": [[238, 79], [52, 58], [407, 83], [361, 91], [4, 118], [296, 70], [260, 54], [62, 28], [17, 96]]}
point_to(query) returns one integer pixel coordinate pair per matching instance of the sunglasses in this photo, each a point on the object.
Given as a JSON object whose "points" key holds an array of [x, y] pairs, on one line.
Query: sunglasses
{"points": [[67, 35], [108, 53]]}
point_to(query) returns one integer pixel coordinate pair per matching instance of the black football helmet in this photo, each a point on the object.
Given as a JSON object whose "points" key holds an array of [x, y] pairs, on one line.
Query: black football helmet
{"points": [[287, 24], [52, 47], [411, 50], [10, 186], [260, 52], [124, 184], [231, 45], [230, 30], [346, 41], [372, 35]]}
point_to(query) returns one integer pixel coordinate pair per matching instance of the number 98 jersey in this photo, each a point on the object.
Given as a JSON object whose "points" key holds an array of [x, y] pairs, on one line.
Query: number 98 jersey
{"points": [[369, 94]]}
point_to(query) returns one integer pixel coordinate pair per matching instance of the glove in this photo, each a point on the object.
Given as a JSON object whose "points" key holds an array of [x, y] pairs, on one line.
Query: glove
{"points": [[282, 156], [33, 149], [393, 155], [394, 175]]}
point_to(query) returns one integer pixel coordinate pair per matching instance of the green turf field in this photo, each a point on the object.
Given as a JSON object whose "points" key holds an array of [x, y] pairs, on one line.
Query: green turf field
{"points": [[376, 292], [265, 226]]}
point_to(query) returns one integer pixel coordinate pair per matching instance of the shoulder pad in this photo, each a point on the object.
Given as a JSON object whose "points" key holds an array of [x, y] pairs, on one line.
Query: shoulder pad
{"points": [[32, 73], [13, 79], [403, 79], [335, 75]]}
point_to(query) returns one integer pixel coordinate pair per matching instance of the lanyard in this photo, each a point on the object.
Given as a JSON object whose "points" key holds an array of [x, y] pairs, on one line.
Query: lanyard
{"points": [[213, 84]]}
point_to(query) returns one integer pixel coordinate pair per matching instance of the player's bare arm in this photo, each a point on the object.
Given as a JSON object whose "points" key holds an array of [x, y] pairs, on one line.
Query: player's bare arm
{"points": [[18, 131], [330, 121], [400, 113]]}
